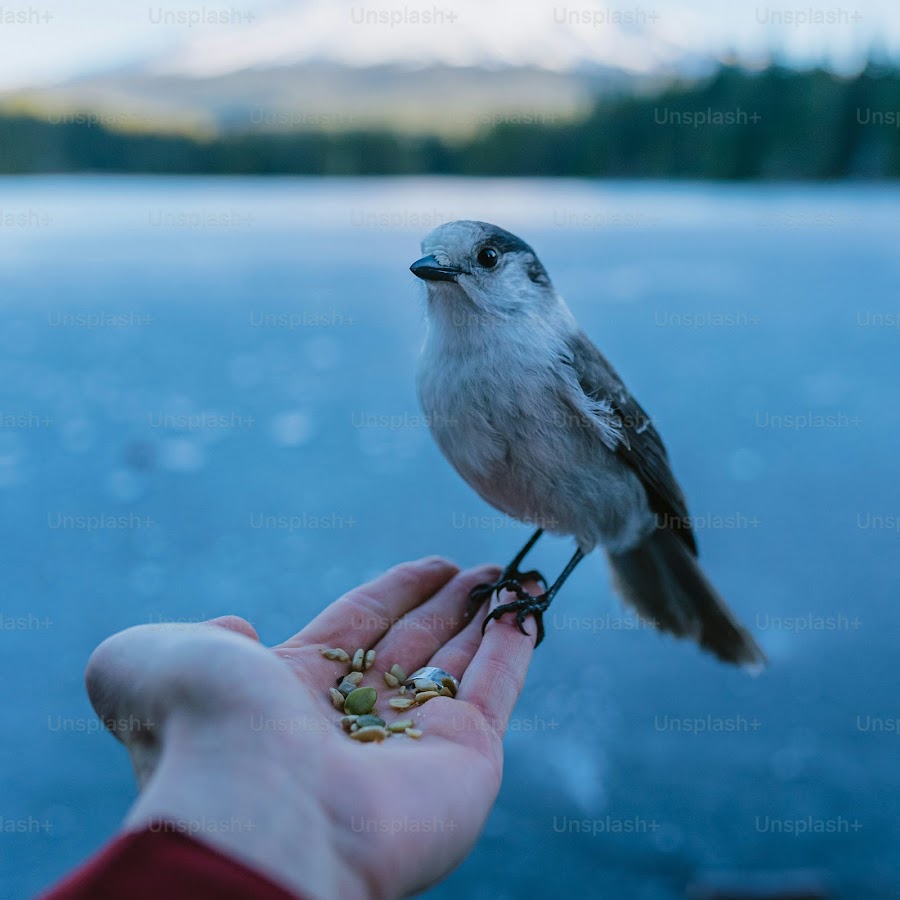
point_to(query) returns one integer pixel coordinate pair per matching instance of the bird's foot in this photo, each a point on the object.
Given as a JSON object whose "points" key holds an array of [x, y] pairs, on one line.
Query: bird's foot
{"points": [[524, 605], [509, 580]]}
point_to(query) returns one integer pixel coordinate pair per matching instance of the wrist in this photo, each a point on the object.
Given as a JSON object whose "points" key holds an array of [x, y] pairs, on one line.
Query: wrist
{"points": [[250, 794]]}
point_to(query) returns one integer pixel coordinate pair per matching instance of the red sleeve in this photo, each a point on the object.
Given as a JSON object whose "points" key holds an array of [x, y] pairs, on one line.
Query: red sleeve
{"points": [[164, 863]]}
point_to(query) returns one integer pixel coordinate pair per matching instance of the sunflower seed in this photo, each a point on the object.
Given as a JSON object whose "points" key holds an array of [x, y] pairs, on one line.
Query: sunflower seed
{"points": [[445, 692], [414, 732], [400, 703], [358, 660], [426, 695], [371, 733], [337, 698], [347, 721], [449, 682], [369, 660], [425, 684], [398, 673], [390, 680], [354, 677], [400, 725], [363, 721], [336, 653], [360, 701], [346, 687]]}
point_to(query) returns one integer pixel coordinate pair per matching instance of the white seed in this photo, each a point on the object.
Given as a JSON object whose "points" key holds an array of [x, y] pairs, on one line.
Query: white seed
{"points": [[398, 673], [414, 732], [400, 703], [401, 725], [390, 680], [369, 660], [358, 660], [426, 695], [354, 677], [336, 653], [370, 733], [425, 684], [337, 698]]}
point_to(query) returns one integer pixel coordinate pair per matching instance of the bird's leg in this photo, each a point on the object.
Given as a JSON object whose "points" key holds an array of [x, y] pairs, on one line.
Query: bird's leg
{"points": [[511, 578], [525, 604]]}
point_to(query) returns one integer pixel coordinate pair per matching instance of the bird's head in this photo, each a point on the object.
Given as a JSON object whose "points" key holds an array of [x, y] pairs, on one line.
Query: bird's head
{"points": [[478, 268]]}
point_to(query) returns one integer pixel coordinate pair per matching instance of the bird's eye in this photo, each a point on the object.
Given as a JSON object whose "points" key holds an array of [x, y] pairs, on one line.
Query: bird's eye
{"points": [[488, 257]]}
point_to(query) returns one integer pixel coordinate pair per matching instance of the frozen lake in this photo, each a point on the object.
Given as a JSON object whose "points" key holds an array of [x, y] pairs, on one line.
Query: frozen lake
{"points": [[181, 357]]}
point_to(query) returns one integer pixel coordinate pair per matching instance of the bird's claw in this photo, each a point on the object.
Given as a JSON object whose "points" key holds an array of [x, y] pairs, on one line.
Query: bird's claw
{"points": [[508, 581], [523, 606]]}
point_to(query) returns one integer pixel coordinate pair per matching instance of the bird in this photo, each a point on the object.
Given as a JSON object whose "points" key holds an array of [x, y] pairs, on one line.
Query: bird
{"points": [[535, 419]]}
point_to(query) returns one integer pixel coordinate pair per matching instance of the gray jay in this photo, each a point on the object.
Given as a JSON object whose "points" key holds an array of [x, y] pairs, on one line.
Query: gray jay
{"points": [[535, 419]]}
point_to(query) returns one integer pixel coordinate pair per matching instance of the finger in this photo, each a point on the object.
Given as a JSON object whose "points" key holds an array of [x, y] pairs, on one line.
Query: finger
{"points": [[496, 675], [417, 636], [362, 616], [235, 624]]}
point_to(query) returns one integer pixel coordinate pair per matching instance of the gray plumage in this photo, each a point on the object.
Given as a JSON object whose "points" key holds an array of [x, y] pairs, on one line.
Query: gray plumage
{"points": [[535, 419]]}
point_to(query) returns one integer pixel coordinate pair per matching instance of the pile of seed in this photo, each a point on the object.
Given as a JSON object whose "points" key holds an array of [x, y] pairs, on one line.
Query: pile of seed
{"points": [[361, 719]]}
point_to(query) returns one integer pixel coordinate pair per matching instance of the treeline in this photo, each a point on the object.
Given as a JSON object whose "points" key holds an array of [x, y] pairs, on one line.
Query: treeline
{"points": [[773, 124]]}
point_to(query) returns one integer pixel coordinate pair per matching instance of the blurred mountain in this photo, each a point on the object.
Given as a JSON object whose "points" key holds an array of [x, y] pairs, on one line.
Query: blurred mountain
{"points": [[442, 99]]}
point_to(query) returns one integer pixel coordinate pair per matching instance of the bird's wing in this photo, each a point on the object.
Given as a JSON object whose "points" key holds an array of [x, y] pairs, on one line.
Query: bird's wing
{"points": [[628, 431]]}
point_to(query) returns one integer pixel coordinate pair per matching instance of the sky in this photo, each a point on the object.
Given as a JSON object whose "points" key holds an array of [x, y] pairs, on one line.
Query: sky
{"points": [[45, 41]]}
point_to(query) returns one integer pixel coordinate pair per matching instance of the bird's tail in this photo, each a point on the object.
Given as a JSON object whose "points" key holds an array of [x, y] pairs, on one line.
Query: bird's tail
{"points": [[663, 580]]}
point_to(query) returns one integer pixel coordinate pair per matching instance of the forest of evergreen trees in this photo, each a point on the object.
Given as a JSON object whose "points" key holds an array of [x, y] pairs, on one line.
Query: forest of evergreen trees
{"points": [[772, 124]]}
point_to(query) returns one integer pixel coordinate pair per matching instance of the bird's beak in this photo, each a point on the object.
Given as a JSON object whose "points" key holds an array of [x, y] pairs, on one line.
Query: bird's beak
{"points": [[429, 269]]}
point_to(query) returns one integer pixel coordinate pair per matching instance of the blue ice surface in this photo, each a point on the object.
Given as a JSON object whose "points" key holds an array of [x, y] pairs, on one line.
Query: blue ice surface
{"points": [[725, 308]]}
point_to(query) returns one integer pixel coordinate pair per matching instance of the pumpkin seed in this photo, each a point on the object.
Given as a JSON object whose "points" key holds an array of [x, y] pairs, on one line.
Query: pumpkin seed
{"points": [[360, 701], [364, 721]]}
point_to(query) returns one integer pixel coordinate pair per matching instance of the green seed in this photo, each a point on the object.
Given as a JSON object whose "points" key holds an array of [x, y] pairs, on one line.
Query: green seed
{"points": [[360, 701], [364, 721], [401, 725], [346, 687]]}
